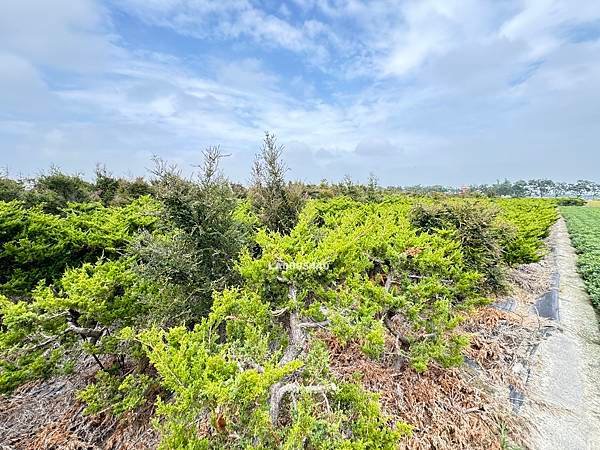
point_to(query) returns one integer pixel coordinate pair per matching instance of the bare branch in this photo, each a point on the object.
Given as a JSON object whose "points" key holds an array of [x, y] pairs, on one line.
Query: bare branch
{"points": [[387, 320], [280, 390], [92, 333], [388, 281], [314, 324], [297, 341]]}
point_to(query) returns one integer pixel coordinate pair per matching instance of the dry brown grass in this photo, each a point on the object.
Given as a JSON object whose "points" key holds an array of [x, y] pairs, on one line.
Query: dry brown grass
{"points": [[467, 407], [449, 408], [45, 415]]}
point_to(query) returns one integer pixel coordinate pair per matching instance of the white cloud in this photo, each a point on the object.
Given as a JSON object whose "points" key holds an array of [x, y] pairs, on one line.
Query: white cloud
{"points": [[539, 22], [22, 88], [232, 20], [63, 34], [421, 92]]}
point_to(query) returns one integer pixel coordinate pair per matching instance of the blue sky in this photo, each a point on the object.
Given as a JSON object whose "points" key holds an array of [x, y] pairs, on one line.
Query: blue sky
{"points": [[441, 91]]}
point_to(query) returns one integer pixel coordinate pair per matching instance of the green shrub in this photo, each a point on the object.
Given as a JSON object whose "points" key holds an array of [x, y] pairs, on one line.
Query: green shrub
{"points": [[275, 201], [54, 191], [533, 219], [476, 226], [571, 202], [338, 257], [115, 394], [201, 236], [84, 311], [222, 376], [11, 189], [112, 191], [39, 246], [229, 308]]}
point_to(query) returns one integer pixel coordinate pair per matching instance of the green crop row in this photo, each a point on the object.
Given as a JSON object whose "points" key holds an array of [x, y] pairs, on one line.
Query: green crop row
{"points": [[584, 227]]}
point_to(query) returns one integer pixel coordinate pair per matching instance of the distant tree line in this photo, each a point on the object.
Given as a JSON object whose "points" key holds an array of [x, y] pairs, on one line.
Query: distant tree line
{"points": [[541, 187], [276, 201], [518, 189], [506, 188], [55, 189]]}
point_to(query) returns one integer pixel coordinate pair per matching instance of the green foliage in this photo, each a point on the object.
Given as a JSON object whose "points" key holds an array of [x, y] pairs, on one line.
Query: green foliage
{"points": [[221, 375], [20, 359], [119, 191], [355, 422], [276, 202], [39, 246], [573, 201], [476, 226], [338, 258], [216, 297], [347, 187], [197, 250], [115, 394], [102, 294], [584, 228], [83, 310], [54, 191], [106, 186], [532, 219], [126, 261], [11, 189], [217, 383]]}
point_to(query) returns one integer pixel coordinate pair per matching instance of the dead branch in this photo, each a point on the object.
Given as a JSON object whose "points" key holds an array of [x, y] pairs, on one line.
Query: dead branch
{"points": [[387, 320], [280, 390], [93, 333], [48, 341], [422, 277], [314, 324], [388, 281]]}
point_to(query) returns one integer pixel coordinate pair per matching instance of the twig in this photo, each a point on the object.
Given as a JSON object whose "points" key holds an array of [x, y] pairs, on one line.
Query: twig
{"points": [[314, 324]]}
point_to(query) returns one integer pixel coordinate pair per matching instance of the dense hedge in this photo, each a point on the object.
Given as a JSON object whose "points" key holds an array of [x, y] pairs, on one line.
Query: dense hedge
{"points": [[571, 201], [190, 294], [39, 246], [532, 219]]}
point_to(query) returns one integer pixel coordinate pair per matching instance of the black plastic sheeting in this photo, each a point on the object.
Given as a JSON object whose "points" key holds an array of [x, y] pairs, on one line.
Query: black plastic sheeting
{"points": [[547, 305]]}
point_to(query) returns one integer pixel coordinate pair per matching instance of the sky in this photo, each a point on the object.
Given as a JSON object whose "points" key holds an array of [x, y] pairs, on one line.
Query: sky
{"points": [[414, 91]]}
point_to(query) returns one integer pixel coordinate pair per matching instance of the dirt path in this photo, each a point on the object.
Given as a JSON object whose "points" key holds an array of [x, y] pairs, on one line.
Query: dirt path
{"points": [[565, 375]]}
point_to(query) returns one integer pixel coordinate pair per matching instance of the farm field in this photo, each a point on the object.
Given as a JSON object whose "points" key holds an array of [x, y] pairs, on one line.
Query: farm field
{"points": [[584, 227], [188, 305]]}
